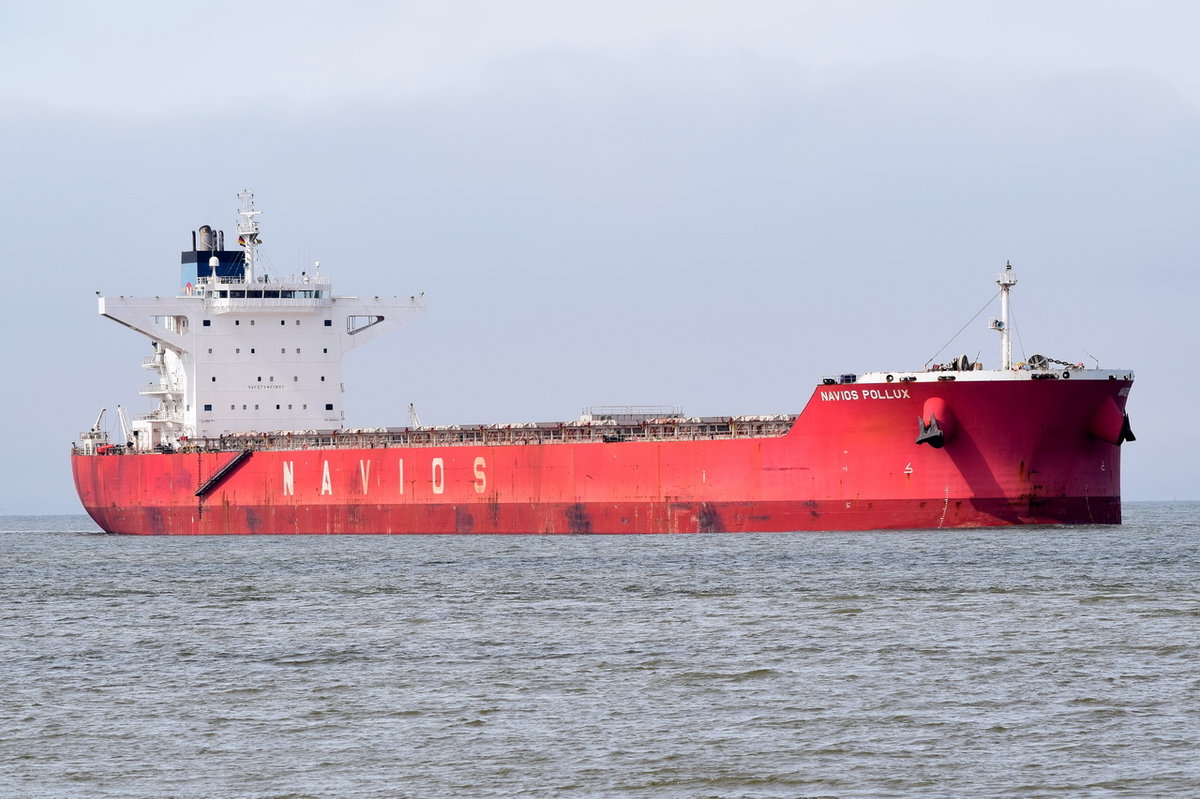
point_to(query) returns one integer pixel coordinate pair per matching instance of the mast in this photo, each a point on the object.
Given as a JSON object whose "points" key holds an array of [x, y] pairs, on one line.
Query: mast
{"points": [[1006, 281], [247, 230]]}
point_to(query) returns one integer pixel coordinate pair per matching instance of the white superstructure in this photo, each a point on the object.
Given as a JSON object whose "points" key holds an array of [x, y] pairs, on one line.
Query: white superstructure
{"points": [[241, 351]]}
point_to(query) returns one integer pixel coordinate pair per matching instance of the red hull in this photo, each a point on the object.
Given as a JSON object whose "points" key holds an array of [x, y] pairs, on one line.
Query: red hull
{"points": [[1016, 452]]}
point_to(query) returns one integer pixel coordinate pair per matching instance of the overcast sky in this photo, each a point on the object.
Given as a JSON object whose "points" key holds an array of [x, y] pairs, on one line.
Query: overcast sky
{"points": [[694, 203]]}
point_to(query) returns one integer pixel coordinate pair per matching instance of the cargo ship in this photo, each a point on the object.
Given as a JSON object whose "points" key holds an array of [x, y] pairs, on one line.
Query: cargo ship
{"points": [[246, 436]]}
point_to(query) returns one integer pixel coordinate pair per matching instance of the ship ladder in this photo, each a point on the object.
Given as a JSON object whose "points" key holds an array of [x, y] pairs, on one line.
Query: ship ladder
{"points": [[224, 472]]}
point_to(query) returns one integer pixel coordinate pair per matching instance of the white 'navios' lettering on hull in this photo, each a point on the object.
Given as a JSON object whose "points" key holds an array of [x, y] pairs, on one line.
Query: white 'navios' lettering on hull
{"points": [[866, 393], [439, 478], [480, 475]]}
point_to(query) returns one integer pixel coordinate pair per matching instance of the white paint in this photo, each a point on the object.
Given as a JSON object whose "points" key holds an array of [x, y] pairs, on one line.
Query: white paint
{"points": [[401, 478], [865, 394], [480, 475], [289, 478], [206, 332], [438, 475], [364, 470], [326, 484]]}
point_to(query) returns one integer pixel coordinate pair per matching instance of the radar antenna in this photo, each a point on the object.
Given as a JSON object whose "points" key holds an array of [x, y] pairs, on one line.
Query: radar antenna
{"points": [[247, 230]]}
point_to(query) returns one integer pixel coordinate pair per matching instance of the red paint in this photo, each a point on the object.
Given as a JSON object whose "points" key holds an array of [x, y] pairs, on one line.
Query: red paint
{"points": [[1023, 452]]}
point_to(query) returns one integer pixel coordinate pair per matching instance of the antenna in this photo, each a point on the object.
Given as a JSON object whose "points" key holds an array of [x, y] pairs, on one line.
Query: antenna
{"points": [[247, 230]]}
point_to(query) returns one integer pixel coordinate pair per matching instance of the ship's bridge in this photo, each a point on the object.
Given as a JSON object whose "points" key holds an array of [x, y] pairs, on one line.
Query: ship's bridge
{"points": [[225, 295], [240, 349]]}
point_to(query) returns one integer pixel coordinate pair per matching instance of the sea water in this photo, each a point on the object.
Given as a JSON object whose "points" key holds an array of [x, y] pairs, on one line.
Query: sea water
{"points": [[1018, 662]]}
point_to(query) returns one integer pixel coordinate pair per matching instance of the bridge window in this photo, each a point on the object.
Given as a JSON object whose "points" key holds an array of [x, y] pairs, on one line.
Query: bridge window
{"points": [[208, 407]]}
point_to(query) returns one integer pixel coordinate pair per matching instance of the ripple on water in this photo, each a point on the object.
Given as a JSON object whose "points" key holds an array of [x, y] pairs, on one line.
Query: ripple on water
{"points": [[1034, 663]]}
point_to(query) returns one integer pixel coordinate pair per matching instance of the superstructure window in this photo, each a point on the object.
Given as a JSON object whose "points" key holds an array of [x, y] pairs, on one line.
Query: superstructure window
{"points": [[328, 323], [208, 407], [329, 406], [207, 323], [282, 321]]}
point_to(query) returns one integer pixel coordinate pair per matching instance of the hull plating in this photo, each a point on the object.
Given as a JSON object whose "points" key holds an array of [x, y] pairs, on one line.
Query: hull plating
{"points": [[1012, 452]]}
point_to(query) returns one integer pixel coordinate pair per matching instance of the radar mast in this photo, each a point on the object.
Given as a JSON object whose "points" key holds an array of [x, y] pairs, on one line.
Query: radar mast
{"points": [[247, 230]]}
